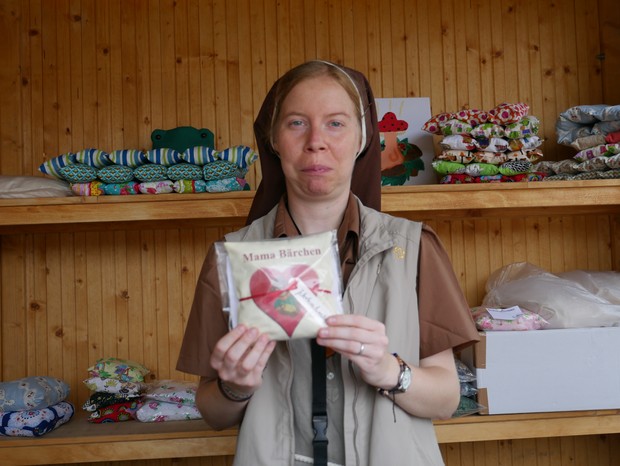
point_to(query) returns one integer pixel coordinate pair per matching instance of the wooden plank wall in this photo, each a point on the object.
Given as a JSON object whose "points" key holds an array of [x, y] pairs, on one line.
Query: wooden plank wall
{"points": [[105, 73]]}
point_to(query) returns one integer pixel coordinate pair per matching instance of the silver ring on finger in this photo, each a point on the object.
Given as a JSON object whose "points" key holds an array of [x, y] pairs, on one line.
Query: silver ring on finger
{"points": [[361, 351]]}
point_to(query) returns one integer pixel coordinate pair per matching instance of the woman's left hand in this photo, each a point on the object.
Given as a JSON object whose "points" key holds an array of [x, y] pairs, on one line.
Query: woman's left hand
{"points": [[363, 341]]}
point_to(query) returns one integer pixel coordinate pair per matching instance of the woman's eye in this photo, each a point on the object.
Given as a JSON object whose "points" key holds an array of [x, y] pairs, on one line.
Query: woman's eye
{"points": [[336, 124], [296, 123]]}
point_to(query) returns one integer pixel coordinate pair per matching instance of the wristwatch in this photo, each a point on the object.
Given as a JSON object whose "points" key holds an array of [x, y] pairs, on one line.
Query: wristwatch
{"points": [[404, 379]]}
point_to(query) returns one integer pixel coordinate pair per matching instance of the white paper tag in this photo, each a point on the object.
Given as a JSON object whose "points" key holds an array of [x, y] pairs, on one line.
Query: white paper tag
{"points": [[510, 313], [311, 303]]}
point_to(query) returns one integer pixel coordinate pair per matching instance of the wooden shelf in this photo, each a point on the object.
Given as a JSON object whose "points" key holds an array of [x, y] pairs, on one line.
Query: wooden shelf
{"points": [[410, 201], [80, 441], [83, 442]]}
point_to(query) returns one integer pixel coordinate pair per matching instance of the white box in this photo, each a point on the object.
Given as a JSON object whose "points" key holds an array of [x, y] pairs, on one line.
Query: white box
{"points": [[548, 370]]}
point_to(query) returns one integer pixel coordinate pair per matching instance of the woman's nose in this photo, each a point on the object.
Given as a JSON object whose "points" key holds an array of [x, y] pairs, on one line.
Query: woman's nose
{"points": [[316, 139]]}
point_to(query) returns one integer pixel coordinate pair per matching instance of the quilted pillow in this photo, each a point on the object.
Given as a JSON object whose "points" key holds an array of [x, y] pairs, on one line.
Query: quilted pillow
{"points": [[495, 158], [481, 169], [524, 128], [160, 411], [506, 113], [444, 167], [119, 369], [226, 185], [184, 171], [79, 173], [515, 167], [93, 157], [455, 127], [118, 412], [35, 423], [434, 124], [453, 155], [492, 144], [31, 393], [157, 187], [458, 142], [164, 156], [98, 384], [94, 188], [488, 130], [532, 142], [472, 116], [173, 391], [189, 186], [151, 172], [100, 400], [219, 170], [122, 189], [128, 157], [115, 174]]}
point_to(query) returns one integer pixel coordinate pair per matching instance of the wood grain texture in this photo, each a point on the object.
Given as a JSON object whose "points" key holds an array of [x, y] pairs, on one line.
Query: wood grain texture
{"points": [[105, 74]]}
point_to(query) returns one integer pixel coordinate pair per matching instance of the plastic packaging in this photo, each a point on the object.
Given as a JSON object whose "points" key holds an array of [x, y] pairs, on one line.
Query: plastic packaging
{"points": [[561, 302], [284, 287]]}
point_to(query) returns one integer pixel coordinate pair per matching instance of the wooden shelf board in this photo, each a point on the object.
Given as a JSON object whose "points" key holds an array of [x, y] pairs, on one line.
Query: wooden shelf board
{"points": [[411, 201], [80, 441], [521, 426]]}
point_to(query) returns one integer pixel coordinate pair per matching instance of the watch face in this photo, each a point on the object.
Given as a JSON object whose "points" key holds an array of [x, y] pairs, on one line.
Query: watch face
{"points": [[406, 379]]}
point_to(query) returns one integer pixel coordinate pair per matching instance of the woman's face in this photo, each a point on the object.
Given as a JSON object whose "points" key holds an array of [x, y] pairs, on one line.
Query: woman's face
{"points": [[317, 137]]}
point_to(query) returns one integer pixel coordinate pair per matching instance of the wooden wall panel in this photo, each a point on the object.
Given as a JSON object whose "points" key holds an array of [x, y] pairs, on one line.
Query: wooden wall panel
{"points": [[71, 298], [106, 73]]}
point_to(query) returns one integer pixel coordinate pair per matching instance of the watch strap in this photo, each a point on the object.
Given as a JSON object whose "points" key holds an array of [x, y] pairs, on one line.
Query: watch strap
{"points": [[398, 388]]}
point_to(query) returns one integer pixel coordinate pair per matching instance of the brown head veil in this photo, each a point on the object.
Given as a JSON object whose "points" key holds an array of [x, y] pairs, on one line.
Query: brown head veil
{"points": [[366, 182]]}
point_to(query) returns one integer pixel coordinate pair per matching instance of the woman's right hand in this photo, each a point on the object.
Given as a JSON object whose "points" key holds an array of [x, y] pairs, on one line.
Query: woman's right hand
{"points": [[240, 357]]}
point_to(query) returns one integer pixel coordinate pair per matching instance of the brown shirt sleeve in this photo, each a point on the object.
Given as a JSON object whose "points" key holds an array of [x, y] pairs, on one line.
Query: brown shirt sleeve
{"points": [[445, 318], [207, 322]]}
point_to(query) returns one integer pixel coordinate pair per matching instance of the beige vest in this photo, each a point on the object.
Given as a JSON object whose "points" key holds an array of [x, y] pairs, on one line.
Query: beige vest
{"points": [[381, 286]]}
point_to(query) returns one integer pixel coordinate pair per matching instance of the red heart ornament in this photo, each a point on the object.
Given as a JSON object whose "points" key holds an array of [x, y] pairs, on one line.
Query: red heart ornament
{"points": [[270, 291]]}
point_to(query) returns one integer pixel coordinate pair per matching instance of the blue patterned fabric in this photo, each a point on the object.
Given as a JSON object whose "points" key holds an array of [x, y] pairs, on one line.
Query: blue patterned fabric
{"points": [[37, 422], [32, 393]]}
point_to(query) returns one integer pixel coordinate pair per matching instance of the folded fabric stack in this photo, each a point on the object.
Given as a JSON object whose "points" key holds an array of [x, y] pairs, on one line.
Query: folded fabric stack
{"points": [[594, 132], [197, 169], [117, 386], [169, 400], [499, 145], [33, 406]]}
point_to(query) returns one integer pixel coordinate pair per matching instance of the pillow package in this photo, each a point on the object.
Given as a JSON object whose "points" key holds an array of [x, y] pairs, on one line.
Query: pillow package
{"points": [[285, 287], [33, 406], [562, 302]]}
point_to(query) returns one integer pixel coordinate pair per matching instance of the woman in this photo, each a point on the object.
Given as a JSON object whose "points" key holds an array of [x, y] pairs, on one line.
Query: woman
{"points": [[393, 369]]}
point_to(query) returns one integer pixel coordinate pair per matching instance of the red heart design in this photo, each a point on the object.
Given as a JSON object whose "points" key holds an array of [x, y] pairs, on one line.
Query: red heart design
{"points": [[270, 291]]}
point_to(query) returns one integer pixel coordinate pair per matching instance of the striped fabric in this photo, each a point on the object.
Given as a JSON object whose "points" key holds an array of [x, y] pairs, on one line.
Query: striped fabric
{"points": [[52, 167], [164, 156], [93, 157], [132, 158], [243, 156], [199, 155]]}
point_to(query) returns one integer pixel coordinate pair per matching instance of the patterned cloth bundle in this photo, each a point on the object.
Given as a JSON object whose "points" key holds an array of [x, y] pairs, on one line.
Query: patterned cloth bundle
{"points": [[499, 145], [33, 406], [594, 132], [117, 386], [197, 169], [169, 400]]}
